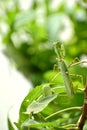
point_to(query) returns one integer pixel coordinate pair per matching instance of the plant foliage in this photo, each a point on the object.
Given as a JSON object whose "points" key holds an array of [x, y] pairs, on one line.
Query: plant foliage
{"points": [[28, 38], [47, 107]]}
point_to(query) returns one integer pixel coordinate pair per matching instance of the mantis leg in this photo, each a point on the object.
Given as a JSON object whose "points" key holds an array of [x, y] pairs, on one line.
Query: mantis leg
{"points": [[54, 78], [81, 77], [76, 59], [55, 67], [58, 73], [73, 63]]}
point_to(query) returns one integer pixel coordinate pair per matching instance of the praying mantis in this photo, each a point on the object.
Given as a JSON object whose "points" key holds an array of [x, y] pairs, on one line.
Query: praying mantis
{"points": [[59, 50]]}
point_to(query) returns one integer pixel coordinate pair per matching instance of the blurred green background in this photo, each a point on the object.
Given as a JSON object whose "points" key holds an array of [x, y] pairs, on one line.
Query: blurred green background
{"points": [[29, 28]]}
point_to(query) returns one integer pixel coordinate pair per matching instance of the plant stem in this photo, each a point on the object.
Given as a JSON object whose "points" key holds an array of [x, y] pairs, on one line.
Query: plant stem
{"points": [[58, 112], [83, 117], [69, 125]]}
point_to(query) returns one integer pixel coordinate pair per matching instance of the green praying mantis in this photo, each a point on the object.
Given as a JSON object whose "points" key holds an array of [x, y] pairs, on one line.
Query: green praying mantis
{"points": [[59, 50]]}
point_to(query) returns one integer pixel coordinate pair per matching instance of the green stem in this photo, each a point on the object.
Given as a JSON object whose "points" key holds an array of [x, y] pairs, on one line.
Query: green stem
{"points": [[58, 112], [70, 125]]}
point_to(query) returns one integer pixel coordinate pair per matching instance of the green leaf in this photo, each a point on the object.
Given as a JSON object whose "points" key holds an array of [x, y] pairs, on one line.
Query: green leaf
{"points": [[34, 124], [10, 125], [47, 90], [59, 89], [63, 101], [39, 105], [34, 94]]}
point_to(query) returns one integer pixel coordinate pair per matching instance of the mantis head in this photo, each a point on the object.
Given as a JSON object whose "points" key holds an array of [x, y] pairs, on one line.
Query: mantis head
{"points": [[59, 49]]}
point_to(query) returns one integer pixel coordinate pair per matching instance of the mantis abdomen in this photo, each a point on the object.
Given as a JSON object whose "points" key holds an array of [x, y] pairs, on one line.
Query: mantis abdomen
{"points": [[66, 78]]}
